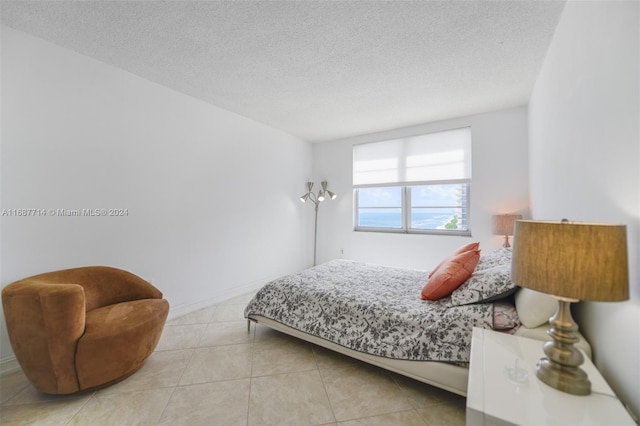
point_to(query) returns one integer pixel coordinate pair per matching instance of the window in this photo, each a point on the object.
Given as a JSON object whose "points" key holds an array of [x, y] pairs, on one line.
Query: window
{"points": [[417, 184]]}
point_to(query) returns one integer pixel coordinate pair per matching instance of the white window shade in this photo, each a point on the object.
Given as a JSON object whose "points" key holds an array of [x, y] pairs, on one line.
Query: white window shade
{"points": [[442, 156]]}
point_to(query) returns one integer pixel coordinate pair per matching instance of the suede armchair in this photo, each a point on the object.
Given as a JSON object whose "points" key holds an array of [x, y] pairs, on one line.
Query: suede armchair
{"points": [[82, 328]]}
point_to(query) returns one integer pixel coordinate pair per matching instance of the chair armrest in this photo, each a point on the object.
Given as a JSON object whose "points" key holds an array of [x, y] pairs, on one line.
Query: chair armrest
{"points": [[45, 322]]}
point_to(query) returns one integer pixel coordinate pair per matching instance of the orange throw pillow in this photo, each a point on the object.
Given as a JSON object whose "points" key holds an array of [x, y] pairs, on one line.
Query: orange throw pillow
{"points": [[450, 275], [468, 247]]}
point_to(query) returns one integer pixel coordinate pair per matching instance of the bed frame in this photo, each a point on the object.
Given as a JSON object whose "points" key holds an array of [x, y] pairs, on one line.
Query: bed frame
{"points": [[447, 376]]}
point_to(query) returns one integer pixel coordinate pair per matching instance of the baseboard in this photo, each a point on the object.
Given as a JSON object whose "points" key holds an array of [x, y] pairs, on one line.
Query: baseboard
{"points": [[178, 311], [181, 310], [8, 365]]}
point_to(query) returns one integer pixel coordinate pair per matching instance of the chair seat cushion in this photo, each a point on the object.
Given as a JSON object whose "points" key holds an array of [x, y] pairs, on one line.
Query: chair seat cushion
{"points": [[118, 339]]}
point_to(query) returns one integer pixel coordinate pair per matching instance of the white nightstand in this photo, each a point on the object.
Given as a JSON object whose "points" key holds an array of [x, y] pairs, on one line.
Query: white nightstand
{"points": [[493, 398]]}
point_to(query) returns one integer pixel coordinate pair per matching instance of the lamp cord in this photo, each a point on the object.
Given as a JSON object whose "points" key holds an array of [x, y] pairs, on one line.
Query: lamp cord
{"points": [[626, 407]]}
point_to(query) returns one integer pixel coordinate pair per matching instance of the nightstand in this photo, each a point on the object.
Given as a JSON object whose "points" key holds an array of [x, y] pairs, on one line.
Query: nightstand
{"points": [[502, 392]]}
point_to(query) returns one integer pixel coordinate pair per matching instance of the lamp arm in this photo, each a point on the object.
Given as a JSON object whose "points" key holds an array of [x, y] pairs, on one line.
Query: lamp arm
{"points": [[313, 198]]}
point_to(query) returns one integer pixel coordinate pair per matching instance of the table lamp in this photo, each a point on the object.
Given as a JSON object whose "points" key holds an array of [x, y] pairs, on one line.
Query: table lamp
{"points": [[572, 261], [503, 225]]}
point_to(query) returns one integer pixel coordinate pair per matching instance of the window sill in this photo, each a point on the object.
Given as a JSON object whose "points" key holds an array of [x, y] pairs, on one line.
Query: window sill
{"points": [[457, 233]]}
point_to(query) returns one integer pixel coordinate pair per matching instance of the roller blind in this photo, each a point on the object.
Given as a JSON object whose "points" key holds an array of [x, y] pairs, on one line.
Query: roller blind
{"points": [[442, 156]]}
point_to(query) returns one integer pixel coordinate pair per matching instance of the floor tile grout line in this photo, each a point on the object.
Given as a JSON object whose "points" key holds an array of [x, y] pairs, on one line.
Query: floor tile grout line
{"points": [[93, 395], [54, 399], [213, 311], [389, 413], [15, 395], [255, 327], [404, 391], [422, 417], [324, 386], [173, 390], [193, 353], [405, 394]]}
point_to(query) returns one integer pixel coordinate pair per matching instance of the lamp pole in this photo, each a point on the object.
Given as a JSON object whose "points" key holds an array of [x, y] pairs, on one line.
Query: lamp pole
{"points": [[315, 233]]}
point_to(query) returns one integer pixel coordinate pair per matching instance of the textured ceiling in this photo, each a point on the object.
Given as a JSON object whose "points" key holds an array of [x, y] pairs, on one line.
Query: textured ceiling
{"points": [[320, 70]]}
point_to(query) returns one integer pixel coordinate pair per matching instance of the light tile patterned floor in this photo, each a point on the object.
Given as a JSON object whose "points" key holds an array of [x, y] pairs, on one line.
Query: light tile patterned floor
{"points": [[207, 370]]}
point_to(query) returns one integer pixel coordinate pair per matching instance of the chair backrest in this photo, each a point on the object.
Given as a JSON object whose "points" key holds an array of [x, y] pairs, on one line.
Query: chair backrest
{"points": [[103, 285]]}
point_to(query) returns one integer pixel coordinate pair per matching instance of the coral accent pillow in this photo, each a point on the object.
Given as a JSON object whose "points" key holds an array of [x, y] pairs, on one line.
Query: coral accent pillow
{"points": [[455, 270], [468, 247]]}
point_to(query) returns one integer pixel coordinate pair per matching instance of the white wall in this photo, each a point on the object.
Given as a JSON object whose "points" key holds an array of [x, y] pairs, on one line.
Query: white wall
{"points": [[584, 121], [499, 185], [211, 196]]}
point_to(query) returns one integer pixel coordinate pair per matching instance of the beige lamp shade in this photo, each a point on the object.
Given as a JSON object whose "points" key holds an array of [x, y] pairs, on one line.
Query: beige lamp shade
{"points": [[585, 261], [503, 224]]}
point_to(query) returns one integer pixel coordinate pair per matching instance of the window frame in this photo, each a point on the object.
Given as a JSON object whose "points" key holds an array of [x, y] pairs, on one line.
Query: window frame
{"points": [[403, 216]]}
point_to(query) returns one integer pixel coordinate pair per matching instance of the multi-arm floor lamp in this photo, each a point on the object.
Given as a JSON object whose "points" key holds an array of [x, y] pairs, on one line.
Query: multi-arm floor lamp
{"points": [[317, 199]]}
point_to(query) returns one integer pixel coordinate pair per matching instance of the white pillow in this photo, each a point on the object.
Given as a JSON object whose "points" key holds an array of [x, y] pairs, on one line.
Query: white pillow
{"points": [[534, 308]]}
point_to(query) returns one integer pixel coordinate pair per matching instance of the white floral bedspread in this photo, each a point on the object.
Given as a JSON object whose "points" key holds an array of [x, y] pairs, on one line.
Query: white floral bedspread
{"points": [[372, 309]]}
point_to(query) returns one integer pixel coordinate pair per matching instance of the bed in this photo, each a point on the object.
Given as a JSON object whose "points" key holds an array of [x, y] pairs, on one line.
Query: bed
{"points": [[375, 314]]}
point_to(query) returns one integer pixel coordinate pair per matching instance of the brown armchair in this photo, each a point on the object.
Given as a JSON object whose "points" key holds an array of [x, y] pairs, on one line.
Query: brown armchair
{"points": [[82, 328]]}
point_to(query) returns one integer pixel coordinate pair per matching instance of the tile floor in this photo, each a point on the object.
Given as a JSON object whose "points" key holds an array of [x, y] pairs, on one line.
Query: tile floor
{"points": [[207, 370]]}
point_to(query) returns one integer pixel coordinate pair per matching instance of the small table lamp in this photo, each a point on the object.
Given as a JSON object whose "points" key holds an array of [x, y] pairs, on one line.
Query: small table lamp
{"points": [[503, 225], [570, 261]]}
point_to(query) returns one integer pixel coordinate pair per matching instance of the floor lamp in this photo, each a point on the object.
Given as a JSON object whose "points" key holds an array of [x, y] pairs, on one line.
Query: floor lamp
{"points": [[316, 199]]}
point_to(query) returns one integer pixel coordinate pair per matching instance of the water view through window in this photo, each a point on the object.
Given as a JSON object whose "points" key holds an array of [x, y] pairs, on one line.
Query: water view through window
{"points": [[440, 207]]}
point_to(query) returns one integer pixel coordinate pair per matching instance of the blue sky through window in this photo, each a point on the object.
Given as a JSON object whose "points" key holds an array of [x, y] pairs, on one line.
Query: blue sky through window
{"points": [[380, 197], [435, 195]]}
